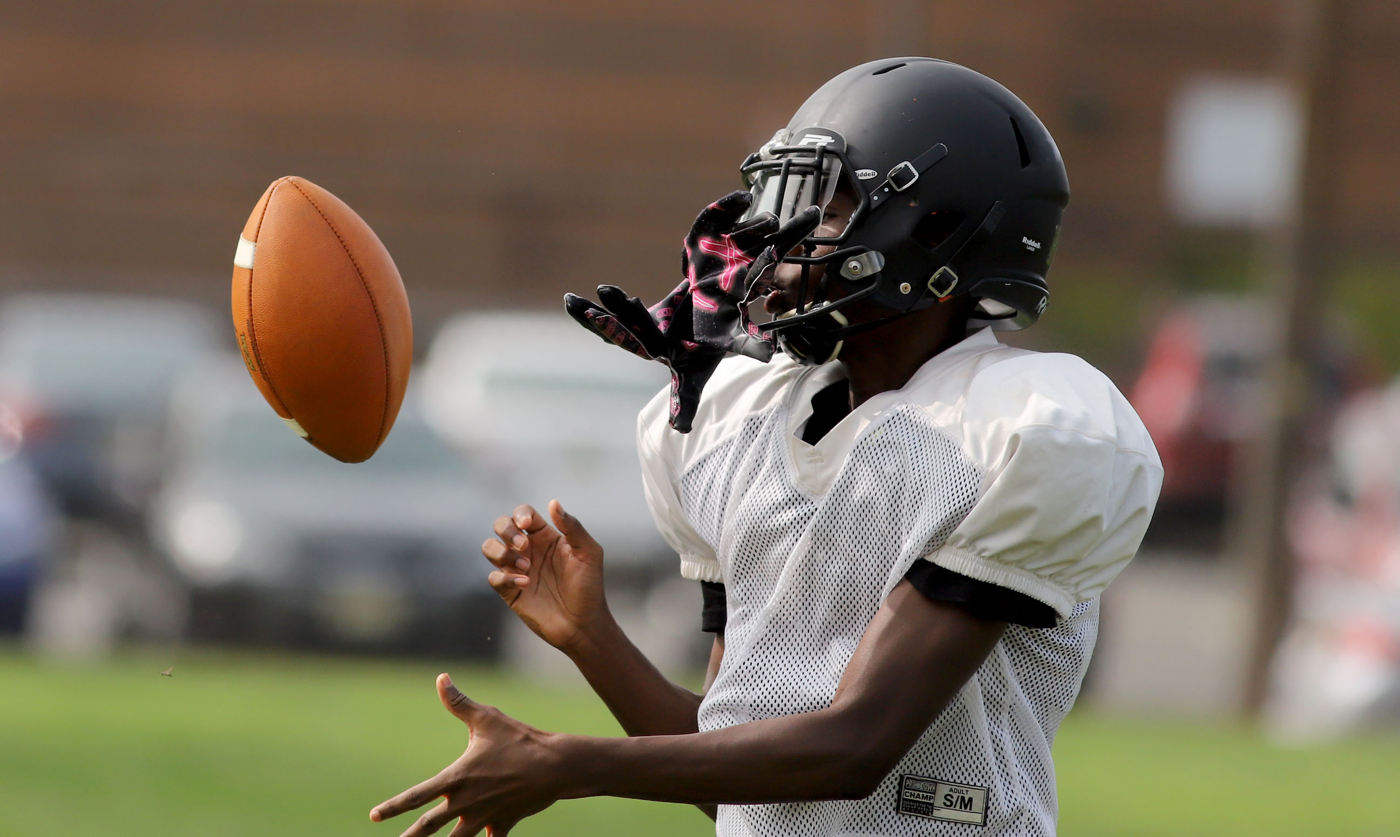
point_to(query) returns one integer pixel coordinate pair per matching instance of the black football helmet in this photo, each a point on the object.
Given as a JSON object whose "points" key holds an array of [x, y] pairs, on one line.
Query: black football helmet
{"points": [[960, 190]]}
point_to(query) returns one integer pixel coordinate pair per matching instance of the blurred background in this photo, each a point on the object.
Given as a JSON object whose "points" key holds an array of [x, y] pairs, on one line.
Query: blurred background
{"points": [[1230, 258]]}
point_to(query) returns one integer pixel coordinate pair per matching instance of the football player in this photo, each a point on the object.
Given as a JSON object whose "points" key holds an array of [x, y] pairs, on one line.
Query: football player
{"points": [[902, 526]]}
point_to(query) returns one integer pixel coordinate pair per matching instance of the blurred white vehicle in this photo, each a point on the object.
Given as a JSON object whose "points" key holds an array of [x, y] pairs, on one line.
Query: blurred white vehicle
{"points": [[284, 543], [553, 409], [90, 376]]}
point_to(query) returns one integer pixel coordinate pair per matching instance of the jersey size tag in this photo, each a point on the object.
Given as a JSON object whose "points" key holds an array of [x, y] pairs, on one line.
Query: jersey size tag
{"points": [[920, 796]]}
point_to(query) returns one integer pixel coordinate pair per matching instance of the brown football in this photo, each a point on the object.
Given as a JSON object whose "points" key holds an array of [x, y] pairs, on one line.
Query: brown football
{"points": [[322, 319]]}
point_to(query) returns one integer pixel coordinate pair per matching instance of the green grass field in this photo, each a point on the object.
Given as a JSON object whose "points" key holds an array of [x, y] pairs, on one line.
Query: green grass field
{"points": [[238, 744]]}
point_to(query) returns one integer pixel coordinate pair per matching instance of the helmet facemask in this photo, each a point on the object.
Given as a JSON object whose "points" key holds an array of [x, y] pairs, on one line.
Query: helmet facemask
{"points": [[815, 166], [785, 178]]}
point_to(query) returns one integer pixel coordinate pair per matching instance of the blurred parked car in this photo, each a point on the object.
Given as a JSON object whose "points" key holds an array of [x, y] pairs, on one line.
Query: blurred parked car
{"points": [[553, 410], [90, 376], [28, 527], [279, 542]]}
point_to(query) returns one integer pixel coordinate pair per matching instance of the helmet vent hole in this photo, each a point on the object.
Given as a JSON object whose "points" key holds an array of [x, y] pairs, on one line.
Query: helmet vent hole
{"points": [[1021, 144], [884, 70], [935, 228]]}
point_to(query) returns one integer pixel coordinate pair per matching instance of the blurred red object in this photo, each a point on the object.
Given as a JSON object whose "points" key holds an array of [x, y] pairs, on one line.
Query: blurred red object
{"points": [[1201, 392]]}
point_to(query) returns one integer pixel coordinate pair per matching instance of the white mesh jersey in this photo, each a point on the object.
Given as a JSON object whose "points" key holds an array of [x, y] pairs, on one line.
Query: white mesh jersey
{"points": [[1025, 470], [1019, 469]]}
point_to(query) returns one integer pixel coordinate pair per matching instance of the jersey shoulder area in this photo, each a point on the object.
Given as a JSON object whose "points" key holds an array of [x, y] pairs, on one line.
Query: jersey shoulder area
{"points": [[1003, 391], [1069, 474], [739, 388]]}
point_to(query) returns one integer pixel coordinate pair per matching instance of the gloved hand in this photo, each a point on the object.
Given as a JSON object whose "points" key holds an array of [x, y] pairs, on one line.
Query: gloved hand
{"points": [[696, 325]]}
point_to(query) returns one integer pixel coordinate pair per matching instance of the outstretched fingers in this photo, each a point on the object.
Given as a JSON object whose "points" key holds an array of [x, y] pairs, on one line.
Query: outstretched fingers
{"points": [[632, 314], [752, 235], [415, 797], [721, 216], [797, 228], [606, 325], [431, 822]]}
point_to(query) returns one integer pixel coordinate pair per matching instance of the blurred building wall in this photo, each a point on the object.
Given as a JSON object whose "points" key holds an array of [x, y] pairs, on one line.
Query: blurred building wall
{"points": [[508, 152]]}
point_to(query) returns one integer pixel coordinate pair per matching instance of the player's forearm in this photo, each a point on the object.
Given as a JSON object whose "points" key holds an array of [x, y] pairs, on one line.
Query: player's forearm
{"points": [[640, 697], [840, 752], [818, 755]]}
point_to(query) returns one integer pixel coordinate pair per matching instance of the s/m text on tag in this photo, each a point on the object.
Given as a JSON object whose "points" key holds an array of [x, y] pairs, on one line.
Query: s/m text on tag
{"points": [[920, 796]]}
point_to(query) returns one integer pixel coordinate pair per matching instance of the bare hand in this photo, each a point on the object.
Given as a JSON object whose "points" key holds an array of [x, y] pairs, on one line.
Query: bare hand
{"points": [[503, 777], [551, 577]]}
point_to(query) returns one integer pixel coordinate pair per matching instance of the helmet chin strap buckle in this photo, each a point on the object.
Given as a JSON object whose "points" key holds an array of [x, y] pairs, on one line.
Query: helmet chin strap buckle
{"points": [[943, 281]]}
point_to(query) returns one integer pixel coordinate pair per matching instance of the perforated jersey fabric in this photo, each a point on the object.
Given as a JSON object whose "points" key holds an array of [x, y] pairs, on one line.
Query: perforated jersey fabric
{"points": [[1024, 470]]}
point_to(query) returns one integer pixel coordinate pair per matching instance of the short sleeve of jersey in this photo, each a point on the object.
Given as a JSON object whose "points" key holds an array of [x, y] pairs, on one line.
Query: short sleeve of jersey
{"points": [[1071, 478], [663, 496], [738, 388]]}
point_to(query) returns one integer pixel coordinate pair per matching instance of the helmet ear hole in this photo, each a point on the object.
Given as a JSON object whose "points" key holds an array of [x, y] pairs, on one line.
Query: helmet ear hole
{"points": [[935, 228]]}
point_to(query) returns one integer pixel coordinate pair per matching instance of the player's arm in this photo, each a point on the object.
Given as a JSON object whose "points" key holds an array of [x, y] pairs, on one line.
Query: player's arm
{"points": [[913, 658], [552, 577]]}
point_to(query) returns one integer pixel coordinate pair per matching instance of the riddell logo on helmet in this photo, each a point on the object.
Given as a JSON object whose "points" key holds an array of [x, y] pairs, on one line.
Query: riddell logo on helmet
{"points": [[817, 139], [867, 174], [1031, 244]]}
